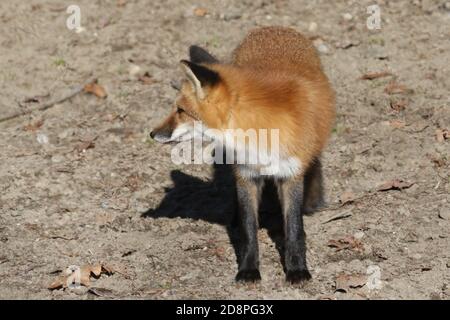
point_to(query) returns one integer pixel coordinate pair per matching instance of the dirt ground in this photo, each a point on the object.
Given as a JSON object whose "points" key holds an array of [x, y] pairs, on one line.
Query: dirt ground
{"points": [[82, 182]]}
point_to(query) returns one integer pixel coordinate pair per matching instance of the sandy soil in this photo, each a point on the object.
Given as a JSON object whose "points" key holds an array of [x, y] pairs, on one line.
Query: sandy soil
{"points": [[120, 200]]}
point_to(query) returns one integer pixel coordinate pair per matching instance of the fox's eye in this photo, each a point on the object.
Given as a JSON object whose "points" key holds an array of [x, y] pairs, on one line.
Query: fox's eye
{"points": [[179, 110]]}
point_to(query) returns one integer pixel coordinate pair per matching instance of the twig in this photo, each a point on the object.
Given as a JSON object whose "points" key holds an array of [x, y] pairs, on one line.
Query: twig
{"points": [[50, 103]]}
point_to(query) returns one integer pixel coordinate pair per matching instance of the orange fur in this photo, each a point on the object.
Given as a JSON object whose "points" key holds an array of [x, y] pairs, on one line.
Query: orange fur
{"points": [[275, 81]]}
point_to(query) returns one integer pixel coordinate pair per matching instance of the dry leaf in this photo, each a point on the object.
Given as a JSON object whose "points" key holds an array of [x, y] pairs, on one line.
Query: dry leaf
{"points": [[346, 281], [394, 87], [395, 184], [442, 135], [376, 75], [146, 78], [349, 242], [34, 126], [347, 197], [437, 160], [59, 282], [133, 182], [96, 89], [200, 12], [121, 3], [70, 276], [398, 105]]}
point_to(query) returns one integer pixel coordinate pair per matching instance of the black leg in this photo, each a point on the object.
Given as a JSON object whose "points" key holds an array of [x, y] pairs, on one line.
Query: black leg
{"points": [[248, 194], [291, 196], [313, 193]]}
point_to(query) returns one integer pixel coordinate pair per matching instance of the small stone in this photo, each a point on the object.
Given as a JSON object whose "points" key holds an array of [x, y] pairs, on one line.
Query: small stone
{"points": [[347, 16], [323, 48], [312, 27], [135, 72], [42, 138]]}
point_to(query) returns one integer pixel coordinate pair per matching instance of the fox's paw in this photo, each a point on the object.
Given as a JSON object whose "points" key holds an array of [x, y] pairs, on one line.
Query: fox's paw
{"points": [[251, 275], [297, 276]]}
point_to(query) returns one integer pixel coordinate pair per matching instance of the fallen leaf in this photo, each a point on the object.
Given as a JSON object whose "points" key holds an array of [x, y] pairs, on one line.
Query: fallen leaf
{"points": [[146, 78], [349, 242], [376, 75], [398, 105], [133, 182], [200, 12], [346, 281], [33, 126], [395, 184], [442, 135], [96, 89], [121, 3], [394, 87], [80, 275], [347, 197], [437, 160], [59, 282]]}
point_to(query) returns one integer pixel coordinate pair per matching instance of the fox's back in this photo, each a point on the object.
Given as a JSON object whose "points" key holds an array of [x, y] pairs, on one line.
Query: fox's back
{"points": [[278, 48]]}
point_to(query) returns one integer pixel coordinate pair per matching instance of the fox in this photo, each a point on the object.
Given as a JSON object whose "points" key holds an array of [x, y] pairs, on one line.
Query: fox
{"points": [[274, 80]]}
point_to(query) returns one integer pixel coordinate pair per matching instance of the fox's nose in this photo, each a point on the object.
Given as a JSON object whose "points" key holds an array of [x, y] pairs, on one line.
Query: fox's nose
{"points": [[152, 135]]}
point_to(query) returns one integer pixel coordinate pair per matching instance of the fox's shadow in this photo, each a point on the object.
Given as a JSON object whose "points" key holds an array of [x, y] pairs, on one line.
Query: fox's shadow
{"points": [[215, 202]]}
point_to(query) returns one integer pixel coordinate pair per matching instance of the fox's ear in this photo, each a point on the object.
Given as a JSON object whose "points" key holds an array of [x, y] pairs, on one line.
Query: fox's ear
{"points": [[200, 55], [200, 77]]}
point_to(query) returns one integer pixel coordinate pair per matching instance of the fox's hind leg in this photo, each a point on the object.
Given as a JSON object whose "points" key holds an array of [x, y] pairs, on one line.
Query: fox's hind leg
{"points": [[291, 194], [313, 196]]}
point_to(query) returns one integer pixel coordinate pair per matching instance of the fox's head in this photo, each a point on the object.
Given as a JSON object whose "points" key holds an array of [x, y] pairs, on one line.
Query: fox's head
{"points": [[203, 97]]}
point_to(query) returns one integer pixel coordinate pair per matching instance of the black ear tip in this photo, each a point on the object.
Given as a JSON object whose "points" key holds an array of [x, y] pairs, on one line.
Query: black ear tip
{"points": [[199, 55], [193, 48]]}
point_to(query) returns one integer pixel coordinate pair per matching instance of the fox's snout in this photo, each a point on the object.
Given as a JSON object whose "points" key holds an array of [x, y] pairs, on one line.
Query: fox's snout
{"points": [[161, 136]]}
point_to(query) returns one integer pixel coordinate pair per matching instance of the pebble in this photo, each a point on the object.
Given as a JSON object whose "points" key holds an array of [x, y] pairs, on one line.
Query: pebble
{"points": [[312, 27], [134, 72], [347, 16], [42, 138], [323, 48]]}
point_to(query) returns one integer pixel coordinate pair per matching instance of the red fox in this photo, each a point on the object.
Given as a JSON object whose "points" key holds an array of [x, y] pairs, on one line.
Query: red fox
{"points": [[274, 81]]}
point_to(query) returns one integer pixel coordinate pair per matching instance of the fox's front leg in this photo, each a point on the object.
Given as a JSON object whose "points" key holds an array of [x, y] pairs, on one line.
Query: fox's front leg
{"points": [[291, 198], [248, 194]]}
